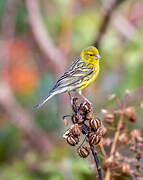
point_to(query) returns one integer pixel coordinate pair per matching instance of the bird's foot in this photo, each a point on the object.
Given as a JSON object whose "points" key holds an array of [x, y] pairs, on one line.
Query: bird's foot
{"points": [[83, 97]]}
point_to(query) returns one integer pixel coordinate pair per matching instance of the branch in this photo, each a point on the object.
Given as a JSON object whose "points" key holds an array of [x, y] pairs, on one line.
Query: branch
{"points": [[9, 18], [42, 36], [97, 162], [23, 119], [114, 144], [106, 20]]}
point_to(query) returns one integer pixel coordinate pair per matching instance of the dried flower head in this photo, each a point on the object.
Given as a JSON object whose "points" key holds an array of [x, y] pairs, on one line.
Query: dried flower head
{"points": [[109, 118], [75, 130], [135, 133], [87, 107], [94, 138], [111, 163], [89, 115], [83, 151], [130, 113], [95, 123], [72, 140], [126, 168], [123, 138], [76, 119]]}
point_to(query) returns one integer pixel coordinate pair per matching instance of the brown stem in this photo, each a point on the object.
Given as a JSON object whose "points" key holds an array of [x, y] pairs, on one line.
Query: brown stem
{"points": [[9, 18], [43, 38], [114, 144], [23, 120], [102, 148]]}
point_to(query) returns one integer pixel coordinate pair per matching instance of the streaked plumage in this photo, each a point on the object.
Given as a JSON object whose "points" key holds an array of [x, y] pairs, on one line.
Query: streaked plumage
{"points": [[81, 73]]}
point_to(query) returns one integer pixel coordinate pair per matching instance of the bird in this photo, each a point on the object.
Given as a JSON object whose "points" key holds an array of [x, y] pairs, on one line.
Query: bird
{"points": [[80, 74]]}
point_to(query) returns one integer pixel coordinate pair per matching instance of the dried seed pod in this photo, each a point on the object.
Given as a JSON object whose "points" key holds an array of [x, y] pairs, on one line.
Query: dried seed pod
{"points": [[133, 148], [126, 168], [95, 123], [86, 107], [100, 131], [130, 114], [104, 130], [140, 145], [139, 154], [123, 138], [138, 165], [94, 139], [72, 140], [76, 119], [66, 134], [75, 131], [89, 115], [135, 133], [110, 162], [109, 118], [83, 151]]}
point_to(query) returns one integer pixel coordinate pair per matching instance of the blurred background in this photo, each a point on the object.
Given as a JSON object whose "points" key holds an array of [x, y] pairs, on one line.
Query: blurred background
{"points": [[38, 40]]}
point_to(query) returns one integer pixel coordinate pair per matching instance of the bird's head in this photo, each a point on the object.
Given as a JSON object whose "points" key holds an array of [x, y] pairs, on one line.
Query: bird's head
{"points": [[90, 55]]}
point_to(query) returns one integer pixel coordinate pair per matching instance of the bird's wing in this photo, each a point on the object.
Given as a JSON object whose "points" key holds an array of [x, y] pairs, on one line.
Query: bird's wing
{"points": [[73, 77]]}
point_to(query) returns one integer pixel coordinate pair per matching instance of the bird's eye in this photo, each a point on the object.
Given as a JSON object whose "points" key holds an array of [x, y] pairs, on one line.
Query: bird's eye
{"points": [[91, 54]]}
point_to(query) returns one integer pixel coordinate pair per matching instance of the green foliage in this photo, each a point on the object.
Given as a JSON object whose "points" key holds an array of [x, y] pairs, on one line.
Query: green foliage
{"points": [[2, 8], [22, 21], [9, 143]]}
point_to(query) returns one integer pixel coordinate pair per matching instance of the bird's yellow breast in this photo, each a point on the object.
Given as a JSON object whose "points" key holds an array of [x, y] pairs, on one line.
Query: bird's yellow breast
{"points": [[86, 83]]}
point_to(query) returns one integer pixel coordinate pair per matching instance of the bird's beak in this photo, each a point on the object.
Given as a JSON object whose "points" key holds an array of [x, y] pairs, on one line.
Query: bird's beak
{"points": [[98, 56]]}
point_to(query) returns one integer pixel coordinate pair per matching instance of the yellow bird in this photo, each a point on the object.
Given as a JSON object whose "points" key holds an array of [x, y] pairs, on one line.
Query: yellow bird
{"points": [[81, 73]]}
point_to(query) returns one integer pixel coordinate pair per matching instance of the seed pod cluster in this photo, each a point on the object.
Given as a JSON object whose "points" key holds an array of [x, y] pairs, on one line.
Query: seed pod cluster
{"points": [[85, 124], [72, 135]]}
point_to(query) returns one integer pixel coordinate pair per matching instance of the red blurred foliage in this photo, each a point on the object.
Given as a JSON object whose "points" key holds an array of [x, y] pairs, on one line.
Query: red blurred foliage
{"points": [[21, 73]]}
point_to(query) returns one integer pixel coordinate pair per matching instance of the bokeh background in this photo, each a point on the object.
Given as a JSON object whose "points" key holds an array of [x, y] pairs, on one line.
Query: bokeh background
{"points": [[38, 40]]}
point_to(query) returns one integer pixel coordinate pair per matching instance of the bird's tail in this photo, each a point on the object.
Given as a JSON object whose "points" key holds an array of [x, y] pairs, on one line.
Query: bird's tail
{"points": [[44, 100]]}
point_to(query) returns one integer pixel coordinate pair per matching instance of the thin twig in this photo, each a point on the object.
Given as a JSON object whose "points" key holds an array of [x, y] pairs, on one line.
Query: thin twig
{"points": [[96, 161], [106, 21], [102, 149]]}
